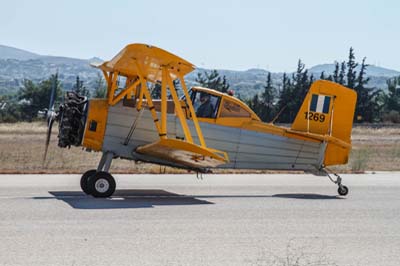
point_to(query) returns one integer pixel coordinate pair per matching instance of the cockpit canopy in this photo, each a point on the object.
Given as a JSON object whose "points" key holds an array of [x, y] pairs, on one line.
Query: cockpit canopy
{"points": [[213, 104]]}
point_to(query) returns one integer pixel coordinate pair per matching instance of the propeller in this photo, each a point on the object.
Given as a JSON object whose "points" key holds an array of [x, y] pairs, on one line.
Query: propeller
{"points": [[51, 116]]}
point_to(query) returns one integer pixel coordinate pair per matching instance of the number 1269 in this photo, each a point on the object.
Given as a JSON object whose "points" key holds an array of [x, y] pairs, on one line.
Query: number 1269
{"points": [[314, 116]]}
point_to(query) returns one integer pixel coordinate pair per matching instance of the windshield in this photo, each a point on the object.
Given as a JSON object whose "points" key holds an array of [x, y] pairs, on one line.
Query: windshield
{"points": [[205, 104]]}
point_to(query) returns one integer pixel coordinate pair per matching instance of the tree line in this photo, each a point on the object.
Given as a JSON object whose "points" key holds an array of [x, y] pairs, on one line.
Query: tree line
{"points": [[278, 101], [34, 97], [281, 102]]}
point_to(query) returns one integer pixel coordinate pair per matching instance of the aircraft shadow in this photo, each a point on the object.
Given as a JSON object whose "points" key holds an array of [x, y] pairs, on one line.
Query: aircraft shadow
{"points": [[306, 196], [125, 199], [148, 198]]}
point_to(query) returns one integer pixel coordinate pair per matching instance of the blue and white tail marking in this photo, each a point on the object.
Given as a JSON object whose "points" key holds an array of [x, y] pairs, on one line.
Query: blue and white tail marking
{"points": [[320, 103]]}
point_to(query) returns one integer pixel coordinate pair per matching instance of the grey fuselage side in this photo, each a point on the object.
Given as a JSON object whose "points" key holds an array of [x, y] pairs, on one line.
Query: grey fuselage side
{"points": [[246, 149]]}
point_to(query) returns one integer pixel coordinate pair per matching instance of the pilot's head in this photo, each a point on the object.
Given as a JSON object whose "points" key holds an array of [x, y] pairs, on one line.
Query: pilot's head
{"points": [[204, 97]]}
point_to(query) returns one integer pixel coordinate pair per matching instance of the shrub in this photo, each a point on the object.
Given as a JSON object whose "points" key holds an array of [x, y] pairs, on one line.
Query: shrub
{"points": [[393, 116]]}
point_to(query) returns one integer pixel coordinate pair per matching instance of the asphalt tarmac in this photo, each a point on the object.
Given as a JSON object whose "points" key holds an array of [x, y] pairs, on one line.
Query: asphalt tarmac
{"points": [[220, 220]]}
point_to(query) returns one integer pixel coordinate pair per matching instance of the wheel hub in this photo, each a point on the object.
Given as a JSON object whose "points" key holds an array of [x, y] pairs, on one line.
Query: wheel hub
{"points": [[102, 185]]}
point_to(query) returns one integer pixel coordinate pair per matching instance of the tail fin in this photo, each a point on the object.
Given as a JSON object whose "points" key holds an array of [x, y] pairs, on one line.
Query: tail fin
{"points": [[328, 109]]}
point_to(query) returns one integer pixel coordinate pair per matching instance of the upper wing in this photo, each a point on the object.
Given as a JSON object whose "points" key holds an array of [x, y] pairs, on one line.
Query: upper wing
{"points": [[150, 60]]}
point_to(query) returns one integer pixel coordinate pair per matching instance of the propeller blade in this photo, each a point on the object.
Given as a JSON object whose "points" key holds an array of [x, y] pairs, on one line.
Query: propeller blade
{"points": [[49, 127], [53, 94]]}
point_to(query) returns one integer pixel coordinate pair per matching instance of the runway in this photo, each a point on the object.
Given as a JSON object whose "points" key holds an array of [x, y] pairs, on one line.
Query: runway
{"points": [[220, 220]]}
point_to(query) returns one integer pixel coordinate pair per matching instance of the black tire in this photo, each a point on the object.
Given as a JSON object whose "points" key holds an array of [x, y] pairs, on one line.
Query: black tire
{"points": [[84, 181], [101, 185], [343, 190]]}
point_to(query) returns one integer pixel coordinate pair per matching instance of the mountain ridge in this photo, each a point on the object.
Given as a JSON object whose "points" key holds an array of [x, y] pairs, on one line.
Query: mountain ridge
{"points": [[372, 70], [9, 52], [18, 64]]}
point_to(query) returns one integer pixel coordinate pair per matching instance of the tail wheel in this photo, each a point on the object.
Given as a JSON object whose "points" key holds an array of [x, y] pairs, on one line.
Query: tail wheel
{"points": [[343, 190], [101, 185], [84, 181]]}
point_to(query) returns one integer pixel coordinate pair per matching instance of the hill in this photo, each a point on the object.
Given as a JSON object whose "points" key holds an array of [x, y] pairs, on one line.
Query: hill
{"points": [[372, 71], [7, 52], [17, 65]]}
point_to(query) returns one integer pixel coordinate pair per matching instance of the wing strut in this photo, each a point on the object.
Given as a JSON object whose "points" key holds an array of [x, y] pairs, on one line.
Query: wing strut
{"points": [[184, 152], [142, 64]]}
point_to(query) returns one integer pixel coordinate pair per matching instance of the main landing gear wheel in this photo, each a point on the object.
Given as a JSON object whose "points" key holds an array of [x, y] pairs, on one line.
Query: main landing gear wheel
{"points": [[101, 185], [343, 190], [84, 181]]}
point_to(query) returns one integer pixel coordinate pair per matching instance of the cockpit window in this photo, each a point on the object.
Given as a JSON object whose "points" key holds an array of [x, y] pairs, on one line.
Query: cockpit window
{"points": [[232, 109], [205, 104]]}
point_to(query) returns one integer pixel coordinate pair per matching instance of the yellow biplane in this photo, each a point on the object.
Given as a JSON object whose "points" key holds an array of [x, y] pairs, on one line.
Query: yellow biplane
{"points": [[201, 130]]}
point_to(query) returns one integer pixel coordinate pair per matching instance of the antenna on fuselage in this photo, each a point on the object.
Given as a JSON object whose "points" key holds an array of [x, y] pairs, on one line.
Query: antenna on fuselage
{"points": [[280, 112]]}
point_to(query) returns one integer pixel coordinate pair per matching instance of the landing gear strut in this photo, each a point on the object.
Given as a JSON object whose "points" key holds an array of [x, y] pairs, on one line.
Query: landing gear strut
{"points": [[342, 189]]}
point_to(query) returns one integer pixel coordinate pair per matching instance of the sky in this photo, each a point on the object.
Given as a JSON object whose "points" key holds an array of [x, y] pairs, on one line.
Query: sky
{"points": [[235, 35]]}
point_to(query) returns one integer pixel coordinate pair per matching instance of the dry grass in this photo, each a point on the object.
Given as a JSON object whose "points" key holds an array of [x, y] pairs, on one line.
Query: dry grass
{"points": [[374, 149], [22, 147]]}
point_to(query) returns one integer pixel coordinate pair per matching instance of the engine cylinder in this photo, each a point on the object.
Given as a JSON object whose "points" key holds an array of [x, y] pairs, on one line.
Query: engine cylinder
{"points": [[72, 119]]}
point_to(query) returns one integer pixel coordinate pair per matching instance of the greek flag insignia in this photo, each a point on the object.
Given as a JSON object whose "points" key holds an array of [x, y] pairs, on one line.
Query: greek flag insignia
{"points": [[320, 103]]}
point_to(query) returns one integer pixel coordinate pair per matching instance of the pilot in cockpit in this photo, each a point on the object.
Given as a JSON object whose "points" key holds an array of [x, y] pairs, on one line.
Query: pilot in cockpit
{"points": [[206, 108]]}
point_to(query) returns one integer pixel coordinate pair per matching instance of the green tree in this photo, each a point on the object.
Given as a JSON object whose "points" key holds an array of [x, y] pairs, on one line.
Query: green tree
{"points": [[178, 88], [156, 91], [80, 88], [336, 73], [368, 105], [100, 89], [267, 110], [311, 80], [255, 104], [36, 97], [293, 92], [392, 101], [351, 70], [301, 85], [10, 110], [342, 73], [285, 100], [212, 80]]}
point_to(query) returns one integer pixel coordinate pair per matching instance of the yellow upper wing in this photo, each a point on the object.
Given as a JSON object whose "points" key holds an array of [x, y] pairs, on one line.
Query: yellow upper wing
{"points": [[150, 60]]}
